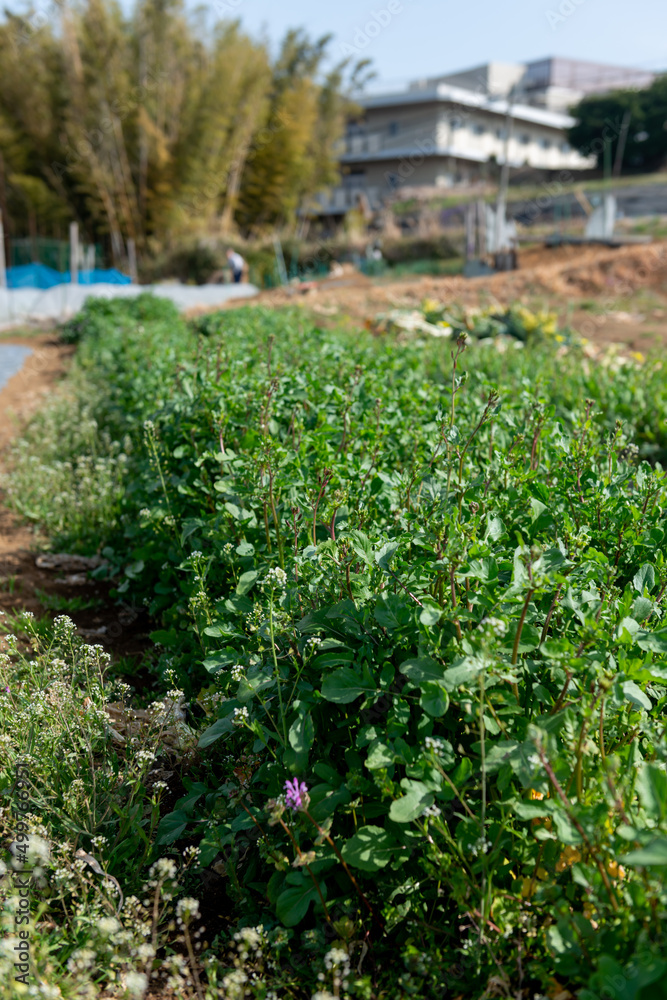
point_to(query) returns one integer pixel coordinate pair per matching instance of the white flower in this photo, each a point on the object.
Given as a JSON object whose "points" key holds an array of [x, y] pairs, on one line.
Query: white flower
{"points": [[335, 957], [187, 909], [136, 983], [107, 926], [432, 811], [163, 869], [241, 717], [276, 578], [496, 625]]}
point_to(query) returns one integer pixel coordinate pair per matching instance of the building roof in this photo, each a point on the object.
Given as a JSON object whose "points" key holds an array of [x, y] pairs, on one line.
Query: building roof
{"points": [[446, 94]]}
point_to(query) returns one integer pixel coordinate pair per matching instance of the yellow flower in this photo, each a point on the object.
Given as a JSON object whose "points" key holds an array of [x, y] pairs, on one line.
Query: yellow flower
{"points": [[569, 857], [431, 305], [528, 888], [615, 870], [534, 794]]}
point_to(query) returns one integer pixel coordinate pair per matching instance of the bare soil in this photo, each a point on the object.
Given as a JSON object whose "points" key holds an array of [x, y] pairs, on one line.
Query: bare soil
{"points": [[23, 585], [588, 286]]}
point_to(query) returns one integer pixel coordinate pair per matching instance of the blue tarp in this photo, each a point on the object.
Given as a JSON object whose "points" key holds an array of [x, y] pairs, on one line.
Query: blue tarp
{"points": [[41, 276]]}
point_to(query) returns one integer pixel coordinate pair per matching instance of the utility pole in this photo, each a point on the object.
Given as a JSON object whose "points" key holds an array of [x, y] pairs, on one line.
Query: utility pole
{"points": [[501, 206], [74, 253], [622, 139]]}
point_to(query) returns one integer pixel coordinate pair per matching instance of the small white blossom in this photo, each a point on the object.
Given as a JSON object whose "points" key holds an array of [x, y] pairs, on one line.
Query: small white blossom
{"points": [[187, 909], [241, 717]]}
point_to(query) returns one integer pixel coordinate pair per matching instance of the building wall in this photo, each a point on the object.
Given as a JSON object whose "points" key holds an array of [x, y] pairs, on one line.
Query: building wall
{"points": [[475, 135]]}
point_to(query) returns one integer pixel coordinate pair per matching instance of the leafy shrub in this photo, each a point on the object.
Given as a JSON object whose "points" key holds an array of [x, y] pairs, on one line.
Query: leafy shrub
{"points": [[421, 605]]}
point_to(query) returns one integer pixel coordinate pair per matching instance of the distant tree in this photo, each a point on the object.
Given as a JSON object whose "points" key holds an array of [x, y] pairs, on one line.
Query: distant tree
{"points": [[599, 121], [156, 125]]}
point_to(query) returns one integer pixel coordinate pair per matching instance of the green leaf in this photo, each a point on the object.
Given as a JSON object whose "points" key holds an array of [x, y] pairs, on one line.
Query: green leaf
{"points": [[393, 612], [251, 686], [495, 529], [292, 904], [537, 508], [302, 734], [423, 669], [644, 577], [652, 790], [530, 637], [384, 555], [379, 755], [412, 804], [635, 694], [655, 853], [434, 700], [431, 613], [345, 685], [171, 827], [641, 608], [361, 545], [627, 628], [370, 849], [221, 629], [246, 582], [220, 659], [529, 810], [565, 828], [465, 670], [195, 792], [215, 731], [653, 642]]}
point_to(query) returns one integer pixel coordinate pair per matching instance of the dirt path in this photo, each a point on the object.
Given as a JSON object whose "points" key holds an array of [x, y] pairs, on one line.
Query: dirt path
{"points": [[23, 585]]}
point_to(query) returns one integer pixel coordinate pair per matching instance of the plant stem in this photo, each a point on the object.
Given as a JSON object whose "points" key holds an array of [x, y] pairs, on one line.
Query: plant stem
{"points": [[340, 857], [277, 671]]}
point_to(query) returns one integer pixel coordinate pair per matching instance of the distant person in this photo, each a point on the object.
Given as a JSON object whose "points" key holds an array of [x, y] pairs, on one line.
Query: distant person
{"points": [[237, 264]]}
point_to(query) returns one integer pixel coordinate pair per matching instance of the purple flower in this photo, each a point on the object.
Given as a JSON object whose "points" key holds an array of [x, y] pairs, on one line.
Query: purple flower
{"points": [[296, 795]]}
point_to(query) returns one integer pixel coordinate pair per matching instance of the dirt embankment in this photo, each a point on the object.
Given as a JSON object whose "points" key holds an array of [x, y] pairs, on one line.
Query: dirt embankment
{"points": [[610, 295]]}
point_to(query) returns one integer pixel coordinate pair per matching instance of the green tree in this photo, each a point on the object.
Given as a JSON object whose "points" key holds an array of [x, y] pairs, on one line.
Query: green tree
{"points": [[599, 123], [155, 126]]}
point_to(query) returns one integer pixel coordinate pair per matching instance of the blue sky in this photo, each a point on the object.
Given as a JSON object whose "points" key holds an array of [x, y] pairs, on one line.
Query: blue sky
{"points": [[408, 39]]}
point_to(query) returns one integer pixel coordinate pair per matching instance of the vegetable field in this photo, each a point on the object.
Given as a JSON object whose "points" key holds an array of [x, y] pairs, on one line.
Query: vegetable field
{"points": [[400, 731]]}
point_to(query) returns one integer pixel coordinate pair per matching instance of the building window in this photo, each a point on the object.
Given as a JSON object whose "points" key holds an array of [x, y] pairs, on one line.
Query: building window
{"points": [[501, 133], [393, 128], [524, 139], [565, 147], [545, 143], [478, 129]]}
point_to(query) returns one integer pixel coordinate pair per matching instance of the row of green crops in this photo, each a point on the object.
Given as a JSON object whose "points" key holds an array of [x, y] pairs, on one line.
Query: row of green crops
{"points": [[423, 583]]}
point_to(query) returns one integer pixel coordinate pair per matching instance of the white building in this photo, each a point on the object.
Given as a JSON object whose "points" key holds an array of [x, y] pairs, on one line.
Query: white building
{"points": [[447, 131]]}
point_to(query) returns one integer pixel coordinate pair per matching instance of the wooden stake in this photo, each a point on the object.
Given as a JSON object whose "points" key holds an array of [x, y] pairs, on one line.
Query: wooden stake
{"points": [[74, 253], [3, 269], [132, 259]]}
